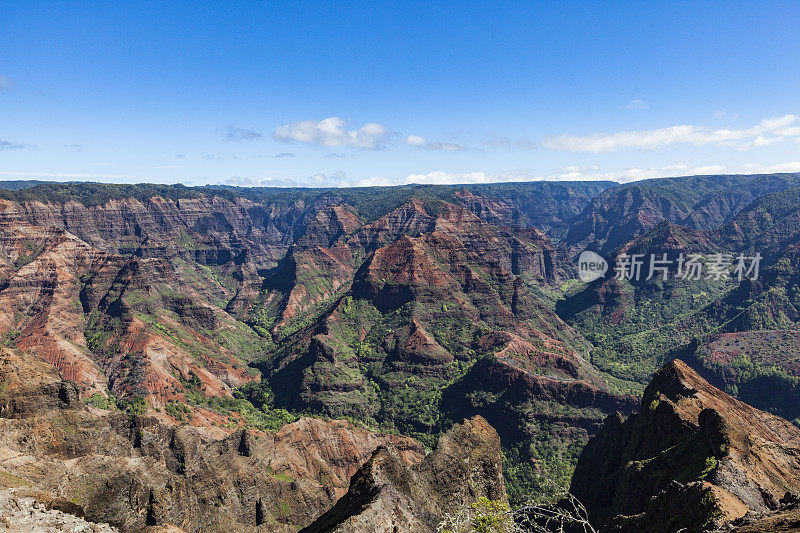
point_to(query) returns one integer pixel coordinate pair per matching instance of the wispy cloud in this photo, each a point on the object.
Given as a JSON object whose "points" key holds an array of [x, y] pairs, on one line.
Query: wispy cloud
{"points": [[74, 147], [450, 178], [756, 168], [284, 154], [722, 113], [242, 134], [332, 131], [66, 175], [421, 142], [507, 142], [7, 145], [636, 105], [6, 83], [768, 131]]}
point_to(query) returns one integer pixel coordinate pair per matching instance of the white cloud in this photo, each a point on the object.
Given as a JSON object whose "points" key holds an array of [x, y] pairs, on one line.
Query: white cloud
{"points": [[766, 132], [758, 142], [422, 142], [449, 178], [442, 178], [331, 132], [243, 181], [337, 179], [636, 105], [674, 169], [580, 173]]}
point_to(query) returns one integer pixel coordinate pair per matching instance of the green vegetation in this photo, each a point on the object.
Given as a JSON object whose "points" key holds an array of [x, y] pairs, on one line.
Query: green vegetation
{"points": [[635, 327], [135, 405], [178, 411], [92, 194], [759, 367], [538, 469], [481, 516], [101, 401], [263, 417]]}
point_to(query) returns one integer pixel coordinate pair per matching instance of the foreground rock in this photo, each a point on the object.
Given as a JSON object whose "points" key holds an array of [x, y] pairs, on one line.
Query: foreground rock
{"points": [[693, 458], [387, 496], [133, 472], [786, 520], [22, 512]]}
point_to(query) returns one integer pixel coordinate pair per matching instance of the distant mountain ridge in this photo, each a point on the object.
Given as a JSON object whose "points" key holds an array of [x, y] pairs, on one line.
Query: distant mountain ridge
{"points": [[618, 214]]}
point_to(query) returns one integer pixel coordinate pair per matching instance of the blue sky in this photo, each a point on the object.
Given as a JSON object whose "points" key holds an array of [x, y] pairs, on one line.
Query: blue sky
{"points": [[361, 93]]}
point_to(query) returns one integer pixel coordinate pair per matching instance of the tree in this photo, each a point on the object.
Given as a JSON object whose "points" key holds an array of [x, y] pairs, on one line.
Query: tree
{"points": [[567, 515]]}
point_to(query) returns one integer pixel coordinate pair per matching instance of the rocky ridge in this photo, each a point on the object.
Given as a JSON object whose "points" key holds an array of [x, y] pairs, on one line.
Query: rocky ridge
{"points": [[692, 447], [387, 496]]}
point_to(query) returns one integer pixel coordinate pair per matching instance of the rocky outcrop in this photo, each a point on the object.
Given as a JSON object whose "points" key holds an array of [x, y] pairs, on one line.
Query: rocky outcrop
{"points": [[20, 511], [692, 447], [387, 496], [784, 520], [132, 471]]}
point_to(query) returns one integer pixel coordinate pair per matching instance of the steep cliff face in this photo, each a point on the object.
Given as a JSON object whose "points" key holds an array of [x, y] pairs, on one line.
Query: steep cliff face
{"points": [[211, 228], [132, 471], [691, 447], [111, 323], [40, 297], [385, 495]]}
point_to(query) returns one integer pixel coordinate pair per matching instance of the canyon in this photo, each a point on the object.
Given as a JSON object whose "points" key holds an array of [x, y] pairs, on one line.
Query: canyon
{"points": [[342, 345]]}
